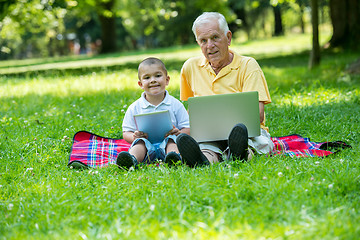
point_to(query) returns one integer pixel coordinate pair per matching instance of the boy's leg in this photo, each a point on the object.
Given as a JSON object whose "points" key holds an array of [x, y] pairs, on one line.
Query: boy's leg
{"points": [[138, 150], [172, 155], [171, 146], [125, 160], [130, 158]]}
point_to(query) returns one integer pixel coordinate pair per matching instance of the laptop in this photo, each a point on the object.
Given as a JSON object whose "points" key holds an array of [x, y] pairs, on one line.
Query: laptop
{"points": [[212, 117]]}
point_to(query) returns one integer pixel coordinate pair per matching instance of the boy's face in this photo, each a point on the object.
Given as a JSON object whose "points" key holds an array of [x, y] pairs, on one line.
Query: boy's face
{"points": [[153, 79]]}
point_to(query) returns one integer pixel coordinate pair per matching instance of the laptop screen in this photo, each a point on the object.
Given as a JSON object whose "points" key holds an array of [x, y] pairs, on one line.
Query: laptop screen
{"points": [[212, 117]]}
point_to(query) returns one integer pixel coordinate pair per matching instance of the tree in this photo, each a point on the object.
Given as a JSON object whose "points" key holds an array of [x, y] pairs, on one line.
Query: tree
{"points": [[315, 52], [345, 17], [278, 28], [4, 7], [301, 4], [239, 8], [32, 27], [106, 11], [107, 17]]}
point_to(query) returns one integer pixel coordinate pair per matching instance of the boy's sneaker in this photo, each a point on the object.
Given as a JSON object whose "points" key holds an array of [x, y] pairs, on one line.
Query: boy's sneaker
{"points": [[125, 160], [238, 142], [172, 158], [190, 151]]}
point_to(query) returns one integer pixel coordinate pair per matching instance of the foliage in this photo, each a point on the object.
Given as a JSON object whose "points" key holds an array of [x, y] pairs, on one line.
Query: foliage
{"points": [[33, 27], [49, 27], [45, 101]]}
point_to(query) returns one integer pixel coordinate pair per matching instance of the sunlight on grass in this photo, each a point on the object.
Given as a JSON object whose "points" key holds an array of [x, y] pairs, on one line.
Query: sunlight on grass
{"points": [[317, 97], [80, 85], [65, 86], [268, 47], [277, 46]]}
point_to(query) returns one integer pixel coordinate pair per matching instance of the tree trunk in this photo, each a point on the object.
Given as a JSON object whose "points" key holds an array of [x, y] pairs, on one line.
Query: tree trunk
{"points": [[345, 17], [278, 21], [302, 22], [108, 27], [315, 52]]}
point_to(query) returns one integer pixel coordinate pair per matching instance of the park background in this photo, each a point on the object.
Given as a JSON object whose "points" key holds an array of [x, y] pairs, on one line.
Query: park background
{"points": [[71, 65]]}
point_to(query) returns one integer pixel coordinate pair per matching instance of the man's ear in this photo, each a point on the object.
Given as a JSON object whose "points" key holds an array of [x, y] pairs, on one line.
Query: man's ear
{"points": [[229, 36], [140, 84], [167, 80]]}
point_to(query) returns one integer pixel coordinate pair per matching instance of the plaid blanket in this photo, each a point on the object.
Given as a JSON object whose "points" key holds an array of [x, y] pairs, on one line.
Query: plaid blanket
{"points": [[90, 150], [297, 146]]}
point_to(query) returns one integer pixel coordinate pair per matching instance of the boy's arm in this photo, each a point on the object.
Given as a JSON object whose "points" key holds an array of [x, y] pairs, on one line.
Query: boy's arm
{"points": [[176, 131], [185, 130], [128, 136], [131, 136]]}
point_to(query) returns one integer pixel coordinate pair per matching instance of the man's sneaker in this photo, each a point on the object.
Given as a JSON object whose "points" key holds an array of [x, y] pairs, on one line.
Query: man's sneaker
{"points": [[190, 151], [172, 158], [125, 160], [238, 142]]}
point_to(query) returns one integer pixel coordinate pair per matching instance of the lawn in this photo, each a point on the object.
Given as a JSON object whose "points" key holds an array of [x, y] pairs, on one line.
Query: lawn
{"points": [[44, 102]]}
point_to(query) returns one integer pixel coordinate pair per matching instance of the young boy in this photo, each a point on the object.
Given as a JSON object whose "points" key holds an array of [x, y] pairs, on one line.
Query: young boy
{"points": [[153, 79]]}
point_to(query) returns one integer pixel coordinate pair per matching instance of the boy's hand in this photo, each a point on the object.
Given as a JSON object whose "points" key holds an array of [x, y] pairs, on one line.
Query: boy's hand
{"points": [[139, 134], [173, 131]]}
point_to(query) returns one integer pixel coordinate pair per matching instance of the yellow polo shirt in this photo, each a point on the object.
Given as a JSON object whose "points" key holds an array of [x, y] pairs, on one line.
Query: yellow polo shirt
{"points": [[243, 74]]}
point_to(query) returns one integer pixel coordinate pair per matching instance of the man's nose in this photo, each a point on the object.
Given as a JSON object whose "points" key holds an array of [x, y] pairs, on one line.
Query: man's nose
{"points": [[210, 43]]}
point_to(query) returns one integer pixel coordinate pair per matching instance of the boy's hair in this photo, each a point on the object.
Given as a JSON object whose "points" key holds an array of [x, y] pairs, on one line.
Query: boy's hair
{"points": [[150, 61], [207, 17]]}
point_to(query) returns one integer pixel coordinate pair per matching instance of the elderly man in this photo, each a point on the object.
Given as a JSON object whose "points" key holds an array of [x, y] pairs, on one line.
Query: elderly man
{"points": [[221, 71]]}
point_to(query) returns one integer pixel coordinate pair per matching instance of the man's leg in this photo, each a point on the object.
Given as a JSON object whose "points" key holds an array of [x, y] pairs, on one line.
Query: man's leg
{"points": [[238, 142], [212, 156], [190, 151], [262, 144]]}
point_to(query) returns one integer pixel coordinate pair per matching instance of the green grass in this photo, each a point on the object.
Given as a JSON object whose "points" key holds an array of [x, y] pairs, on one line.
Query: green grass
{"points": [[42, 106]]}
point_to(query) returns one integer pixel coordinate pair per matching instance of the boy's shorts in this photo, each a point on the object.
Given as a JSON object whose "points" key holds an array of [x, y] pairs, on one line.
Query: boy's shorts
{"points": [[261, 144], [154, 151]]}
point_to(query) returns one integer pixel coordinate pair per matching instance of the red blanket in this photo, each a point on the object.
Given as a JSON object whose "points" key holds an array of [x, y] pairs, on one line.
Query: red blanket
{"points": [[90, 150]]}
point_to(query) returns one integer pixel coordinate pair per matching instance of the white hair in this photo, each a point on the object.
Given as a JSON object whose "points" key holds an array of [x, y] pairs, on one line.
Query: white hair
{"points": [[208, 17]]}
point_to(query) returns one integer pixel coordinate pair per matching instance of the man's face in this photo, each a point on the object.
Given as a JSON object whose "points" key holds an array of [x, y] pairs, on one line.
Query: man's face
{"points": [[213, 42]]}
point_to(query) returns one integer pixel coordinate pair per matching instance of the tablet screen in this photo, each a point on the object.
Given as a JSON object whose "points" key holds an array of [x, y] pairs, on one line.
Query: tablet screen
{"points": [[155, 124]]}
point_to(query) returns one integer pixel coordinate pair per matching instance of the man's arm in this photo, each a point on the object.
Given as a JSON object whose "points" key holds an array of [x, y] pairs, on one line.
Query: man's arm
{"points": [[261, 109], [185, 89]]}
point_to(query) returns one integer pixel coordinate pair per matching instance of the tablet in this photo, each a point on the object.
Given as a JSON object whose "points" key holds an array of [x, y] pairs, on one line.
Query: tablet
{"points": [[155, 124]]}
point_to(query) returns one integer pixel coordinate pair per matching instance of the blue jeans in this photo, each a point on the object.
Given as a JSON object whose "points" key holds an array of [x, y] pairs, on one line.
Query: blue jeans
{"points": [[154, 151]]}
